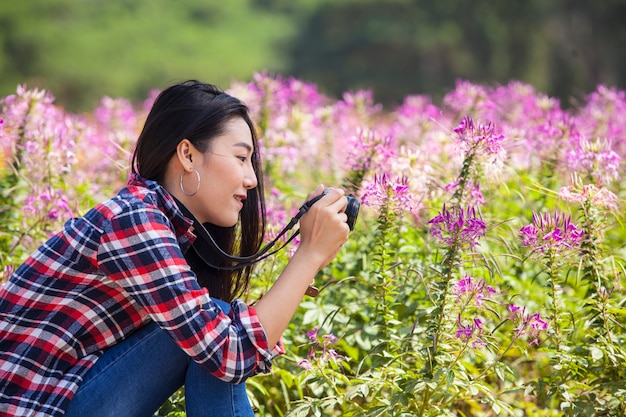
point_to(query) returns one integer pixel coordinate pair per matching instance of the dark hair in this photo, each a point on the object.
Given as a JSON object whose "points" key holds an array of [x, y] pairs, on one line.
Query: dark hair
{"points": [[199, 112]]}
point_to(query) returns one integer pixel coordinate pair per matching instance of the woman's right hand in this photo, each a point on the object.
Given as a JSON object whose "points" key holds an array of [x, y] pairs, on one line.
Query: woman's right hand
{"points": [[324, 229]]}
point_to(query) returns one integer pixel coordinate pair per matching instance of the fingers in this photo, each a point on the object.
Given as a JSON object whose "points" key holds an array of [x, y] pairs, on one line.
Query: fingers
{"points": [[333, 197], [324, 227]]}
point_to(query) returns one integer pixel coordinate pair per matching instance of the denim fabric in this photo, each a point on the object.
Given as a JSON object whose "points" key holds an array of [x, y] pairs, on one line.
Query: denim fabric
{"points": [[135, 377]]}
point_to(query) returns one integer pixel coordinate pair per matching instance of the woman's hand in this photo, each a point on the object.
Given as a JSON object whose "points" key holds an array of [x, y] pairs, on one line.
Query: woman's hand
{"points": [[324, 229]]}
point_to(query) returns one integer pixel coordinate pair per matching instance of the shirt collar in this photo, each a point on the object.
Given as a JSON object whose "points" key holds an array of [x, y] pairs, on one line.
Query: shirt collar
{"points": [[182, 225]]}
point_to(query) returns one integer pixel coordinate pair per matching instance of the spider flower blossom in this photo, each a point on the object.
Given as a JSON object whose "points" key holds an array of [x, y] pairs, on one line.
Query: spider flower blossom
{"points": [[472, 289], [323, 343], [458, 225], [474, 197], [38, 135], [551, 232], [48, 203], [477, 137], [470, 332], [595, 159], [383, 191], [289, 114], [603, 116], [368, 151], [468, 97], [527, 324], [598, 197]]}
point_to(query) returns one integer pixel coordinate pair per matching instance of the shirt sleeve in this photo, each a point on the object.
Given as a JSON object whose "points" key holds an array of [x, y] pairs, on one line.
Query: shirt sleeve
{"points": [[139, 251]]}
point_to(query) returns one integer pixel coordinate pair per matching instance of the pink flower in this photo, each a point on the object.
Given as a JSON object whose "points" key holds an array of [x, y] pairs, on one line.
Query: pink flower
{"points": [[473, 330], [458, 225], [551, 232], [474, 197], [478, 137], [321, 350], [386, 191], [580, 194], [305, 364], [471, 288], [469, 98], [530, 325], [312, 335], [596, 160]]}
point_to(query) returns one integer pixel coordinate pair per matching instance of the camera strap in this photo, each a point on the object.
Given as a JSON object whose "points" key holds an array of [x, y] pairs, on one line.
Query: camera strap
{"points": [[242, 261]]}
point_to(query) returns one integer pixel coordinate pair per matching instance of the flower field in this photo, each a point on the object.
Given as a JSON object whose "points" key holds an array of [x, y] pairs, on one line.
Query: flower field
{"points": [[486, 272]]}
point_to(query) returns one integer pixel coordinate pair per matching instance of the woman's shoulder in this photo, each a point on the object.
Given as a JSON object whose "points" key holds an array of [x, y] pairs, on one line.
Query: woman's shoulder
{"points": [[130, 198], [139, 203]]}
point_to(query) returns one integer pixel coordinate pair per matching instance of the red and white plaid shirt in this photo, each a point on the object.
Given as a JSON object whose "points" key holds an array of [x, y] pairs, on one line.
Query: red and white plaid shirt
{"points": [[102, 277]]}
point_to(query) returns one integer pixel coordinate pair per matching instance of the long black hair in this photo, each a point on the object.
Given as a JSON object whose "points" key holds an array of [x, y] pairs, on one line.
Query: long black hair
{"points": [[199, 112]]}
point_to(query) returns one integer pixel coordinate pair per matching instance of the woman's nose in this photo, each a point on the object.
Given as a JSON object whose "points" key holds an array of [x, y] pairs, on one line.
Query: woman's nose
{"points": [[249, 180]]}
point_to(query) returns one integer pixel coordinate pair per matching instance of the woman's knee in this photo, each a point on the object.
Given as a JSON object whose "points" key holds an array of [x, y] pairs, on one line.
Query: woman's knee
{"points": [[135, 376]]}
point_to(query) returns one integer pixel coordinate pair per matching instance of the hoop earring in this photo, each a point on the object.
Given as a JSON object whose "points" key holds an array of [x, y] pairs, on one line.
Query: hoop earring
{"points": [[182, 188]]}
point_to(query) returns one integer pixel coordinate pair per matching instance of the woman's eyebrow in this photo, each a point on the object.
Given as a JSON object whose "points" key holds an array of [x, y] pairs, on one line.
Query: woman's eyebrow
{"points": [[243, 145]]}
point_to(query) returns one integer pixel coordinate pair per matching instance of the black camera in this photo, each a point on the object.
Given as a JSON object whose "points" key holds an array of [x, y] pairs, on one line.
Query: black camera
{"points": [[352, 209]]}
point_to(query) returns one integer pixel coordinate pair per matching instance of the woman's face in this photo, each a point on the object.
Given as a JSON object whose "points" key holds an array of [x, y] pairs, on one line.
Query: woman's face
{"points": [[226, 175]]}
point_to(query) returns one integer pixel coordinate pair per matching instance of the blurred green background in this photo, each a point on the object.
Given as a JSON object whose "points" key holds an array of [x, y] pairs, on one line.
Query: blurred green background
{"points": [[81, 50]]}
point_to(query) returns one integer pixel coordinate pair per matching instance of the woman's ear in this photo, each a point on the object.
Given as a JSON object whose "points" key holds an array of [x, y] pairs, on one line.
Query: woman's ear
{"points": [[184, 152]]}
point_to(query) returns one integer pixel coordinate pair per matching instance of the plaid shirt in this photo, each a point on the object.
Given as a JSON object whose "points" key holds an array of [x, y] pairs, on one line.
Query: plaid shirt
{"points": [[97, 281]]}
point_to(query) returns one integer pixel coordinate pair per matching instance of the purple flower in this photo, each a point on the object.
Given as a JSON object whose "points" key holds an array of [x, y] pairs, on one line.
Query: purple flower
{"points": [[473, 330], [47, 203], [458, 225], [530, 325], [551, 232], [471, 288], [385, 191], [41, 134], [321, 350], [368, 151], [290, 115], [469, 98], [478, 137], [474, 197], [305, 364], [578, 193], [312, 335], [603, 116], [596, 160]]}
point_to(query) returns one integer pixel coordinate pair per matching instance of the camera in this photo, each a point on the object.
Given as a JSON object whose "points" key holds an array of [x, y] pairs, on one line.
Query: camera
{"points": [[352, 209]]}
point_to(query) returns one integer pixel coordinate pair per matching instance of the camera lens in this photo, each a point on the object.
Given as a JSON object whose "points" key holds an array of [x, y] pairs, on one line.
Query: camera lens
{"points": [[352, 211]]}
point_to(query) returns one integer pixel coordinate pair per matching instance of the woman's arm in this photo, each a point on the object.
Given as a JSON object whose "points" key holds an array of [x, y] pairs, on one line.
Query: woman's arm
{"points": [[139, 251], [323, 231]]}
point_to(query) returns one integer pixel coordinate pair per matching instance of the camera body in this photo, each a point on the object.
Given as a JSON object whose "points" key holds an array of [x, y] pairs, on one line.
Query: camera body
{"points": [[352, 209]]}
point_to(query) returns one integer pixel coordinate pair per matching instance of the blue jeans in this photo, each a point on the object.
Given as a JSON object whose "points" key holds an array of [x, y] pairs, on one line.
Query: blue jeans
{"points": [[135, 377]]}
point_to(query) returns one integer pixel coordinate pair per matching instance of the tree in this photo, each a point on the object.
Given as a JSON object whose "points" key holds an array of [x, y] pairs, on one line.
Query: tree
{"points": [[397, 47], [82, 50]]}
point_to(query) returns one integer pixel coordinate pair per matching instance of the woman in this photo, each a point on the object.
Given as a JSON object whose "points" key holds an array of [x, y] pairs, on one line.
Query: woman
{"points": [[117, 311]]}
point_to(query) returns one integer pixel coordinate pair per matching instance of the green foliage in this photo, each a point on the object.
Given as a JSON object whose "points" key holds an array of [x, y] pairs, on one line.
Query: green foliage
{"points": [[398, 47], [85, 49], [441, 311]]}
